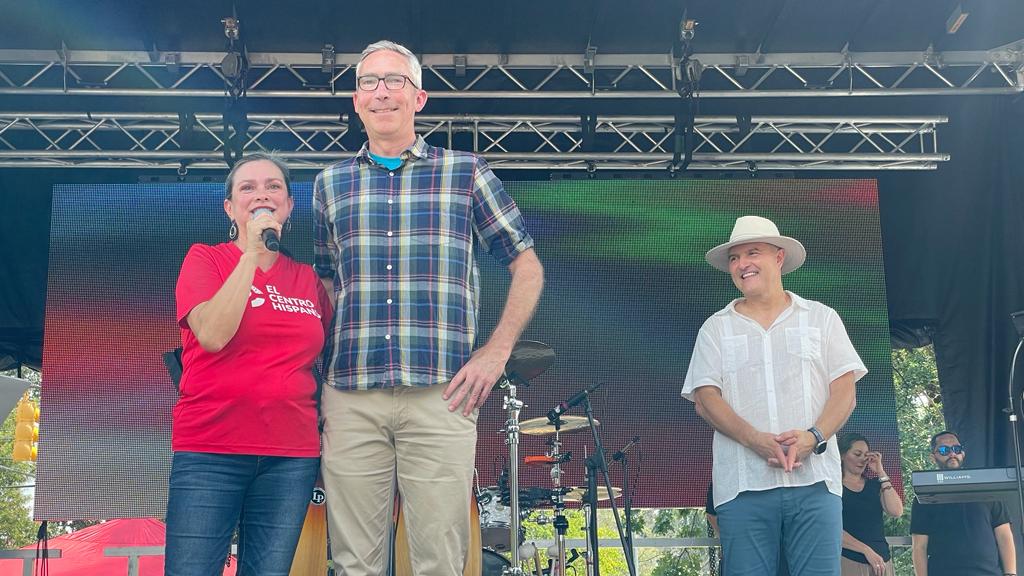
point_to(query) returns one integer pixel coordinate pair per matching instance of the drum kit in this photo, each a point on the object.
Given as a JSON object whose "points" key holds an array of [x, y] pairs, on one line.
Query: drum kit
{"points": [[503, 508]]}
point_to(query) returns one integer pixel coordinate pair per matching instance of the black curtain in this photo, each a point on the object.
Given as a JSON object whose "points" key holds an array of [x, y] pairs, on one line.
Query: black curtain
{"points": [[953, 248], [25, 241]]}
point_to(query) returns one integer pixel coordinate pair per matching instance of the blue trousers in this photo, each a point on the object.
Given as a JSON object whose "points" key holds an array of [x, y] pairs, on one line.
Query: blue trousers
{"points": [[210, 494], [805, 522]]}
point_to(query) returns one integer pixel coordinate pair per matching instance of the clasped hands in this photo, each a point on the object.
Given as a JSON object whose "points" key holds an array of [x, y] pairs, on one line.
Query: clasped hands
{"points": [[786, 450]]}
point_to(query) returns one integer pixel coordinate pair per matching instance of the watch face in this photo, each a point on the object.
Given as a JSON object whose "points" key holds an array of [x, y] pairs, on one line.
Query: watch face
{"points": [[820, 448]]}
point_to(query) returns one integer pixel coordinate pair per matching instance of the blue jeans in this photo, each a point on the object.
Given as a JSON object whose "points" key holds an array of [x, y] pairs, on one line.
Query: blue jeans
{"points": [[805, 522], [210, 494]]}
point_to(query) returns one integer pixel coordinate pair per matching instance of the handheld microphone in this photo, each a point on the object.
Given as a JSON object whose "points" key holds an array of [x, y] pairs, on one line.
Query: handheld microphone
{"points": [[270, 237], [622, 453], [571, 403]]}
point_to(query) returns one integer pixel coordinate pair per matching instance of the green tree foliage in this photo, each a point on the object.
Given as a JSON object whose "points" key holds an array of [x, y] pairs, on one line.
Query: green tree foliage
{"points": [[919, 415], [16, 526], [682, 523]]}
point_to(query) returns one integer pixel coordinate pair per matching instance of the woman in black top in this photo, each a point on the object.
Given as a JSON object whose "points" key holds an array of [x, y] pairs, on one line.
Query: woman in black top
{"points": [[865, 551]]}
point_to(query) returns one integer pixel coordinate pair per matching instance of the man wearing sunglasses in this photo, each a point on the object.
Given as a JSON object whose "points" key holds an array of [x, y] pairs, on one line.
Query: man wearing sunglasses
{"points": [[960, 538], [396, 231]]}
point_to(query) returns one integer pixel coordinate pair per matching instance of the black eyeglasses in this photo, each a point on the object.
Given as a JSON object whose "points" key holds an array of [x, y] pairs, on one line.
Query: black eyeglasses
{"points": [[370, 82], [945, 450]]}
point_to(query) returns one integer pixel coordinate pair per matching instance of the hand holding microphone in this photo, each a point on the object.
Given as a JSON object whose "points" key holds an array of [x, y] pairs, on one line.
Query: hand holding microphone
{"points": [[271, 237]]}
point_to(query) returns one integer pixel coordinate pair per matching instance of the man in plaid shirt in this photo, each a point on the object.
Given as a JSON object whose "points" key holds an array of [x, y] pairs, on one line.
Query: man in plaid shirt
{"points": [[395, 231]]}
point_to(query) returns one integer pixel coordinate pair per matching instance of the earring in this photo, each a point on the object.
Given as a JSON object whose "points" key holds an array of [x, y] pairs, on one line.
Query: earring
{"points": [[233, 231], [288, 224]]}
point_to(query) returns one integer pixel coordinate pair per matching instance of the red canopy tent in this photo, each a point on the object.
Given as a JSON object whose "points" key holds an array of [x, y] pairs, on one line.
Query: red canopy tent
{"points": [[82, 551]]}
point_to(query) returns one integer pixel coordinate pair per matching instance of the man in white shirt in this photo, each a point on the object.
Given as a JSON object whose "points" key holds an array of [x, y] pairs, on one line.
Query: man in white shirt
{"points": [[774, 374]]}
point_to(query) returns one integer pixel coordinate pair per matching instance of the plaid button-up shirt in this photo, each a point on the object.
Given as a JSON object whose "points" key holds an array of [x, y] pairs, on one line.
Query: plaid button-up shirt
{"points": [[399, 245]]}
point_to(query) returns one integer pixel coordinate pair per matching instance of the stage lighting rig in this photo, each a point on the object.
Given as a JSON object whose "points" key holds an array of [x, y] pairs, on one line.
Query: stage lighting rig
{"points": [[692, 69], [235, 64], [231, 28], [589, 56], [328, 59], [687, 28], [686, 73], [234, 67], [687, 69], [231, 65], [460, 62]]}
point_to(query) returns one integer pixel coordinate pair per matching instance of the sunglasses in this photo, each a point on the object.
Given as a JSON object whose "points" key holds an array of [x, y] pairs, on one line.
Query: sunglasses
{"points": [[945, 450]]}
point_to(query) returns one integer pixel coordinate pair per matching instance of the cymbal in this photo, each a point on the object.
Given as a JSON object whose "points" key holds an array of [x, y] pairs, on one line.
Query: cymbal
{"points": [[579, 494], [542, 427], [529, 359]]}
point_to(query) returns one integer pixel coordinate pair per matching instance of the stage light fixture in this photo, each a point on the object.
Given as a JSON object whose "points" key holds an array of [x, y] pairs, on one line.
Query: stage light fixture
{"points": [[230, 27], [956, 19], [327, 59], [742, 64], [687, 28], [588, 59], [173, 62], [231, 65], [693, 69]]}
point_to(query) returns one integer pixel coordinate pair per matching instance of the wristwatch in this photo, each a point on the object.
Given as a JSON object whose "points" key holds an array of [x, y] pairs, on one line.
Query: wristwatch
{"points": [[819, 448]]}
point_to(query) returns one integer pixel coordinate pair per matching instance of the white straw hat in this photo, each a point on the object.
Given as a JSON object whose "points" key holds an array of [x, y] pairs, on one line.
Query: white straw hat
{"points": [[750, 229]]}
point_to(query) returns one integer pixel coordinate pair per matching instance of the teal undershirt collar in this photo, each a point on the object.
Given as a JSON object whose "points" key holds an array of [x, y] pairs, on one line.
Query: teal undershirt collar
{"points": [[387, 162]]}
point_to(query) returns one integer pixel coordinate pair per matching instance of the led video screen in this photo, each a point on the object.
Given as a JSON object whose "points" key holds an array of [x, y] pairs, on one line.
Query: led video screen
{"points": [[626, 290]]}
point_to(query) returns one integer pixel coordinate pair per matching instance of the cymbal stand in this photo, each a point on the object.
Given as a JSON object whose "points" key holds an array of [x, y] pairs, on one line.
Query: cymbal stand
{"points": [[514, 406], [588, 550], [560, 523]]}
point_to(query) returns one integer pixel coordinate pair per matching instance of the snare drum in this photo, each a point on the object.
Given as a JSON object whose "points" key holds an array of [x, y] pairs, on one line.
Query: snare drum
{"points": [[495, 519]]}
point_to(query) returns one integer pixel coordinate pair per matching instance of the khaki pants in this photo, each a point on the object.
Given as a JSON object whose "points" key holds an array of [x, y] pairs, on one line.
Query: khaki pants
{"points": [[372, 437], [851, 568]]}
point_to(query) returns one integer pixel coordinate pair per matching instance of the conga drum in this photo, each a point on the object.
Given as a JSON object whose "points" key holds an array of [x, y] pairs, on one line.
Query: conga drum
{"points": [[474, 561], [311, 553]]}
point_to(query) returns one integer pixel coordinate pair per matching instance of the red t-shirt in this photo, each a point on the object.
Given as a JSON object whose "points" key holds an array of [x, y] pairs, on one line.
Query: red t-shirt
{"points": [[258, 394]]}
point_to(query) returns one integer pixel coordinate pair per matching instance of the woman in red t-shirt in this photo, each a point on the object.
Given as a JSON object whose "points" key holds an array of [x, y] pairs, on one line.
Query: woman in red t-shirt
{"points": [[245, 437]]}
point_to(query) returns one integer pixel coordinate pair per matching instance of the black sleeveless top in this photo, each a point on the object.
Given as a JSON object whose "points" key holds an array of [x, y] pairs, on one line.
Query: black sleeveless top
{"points": [[862, 519]]}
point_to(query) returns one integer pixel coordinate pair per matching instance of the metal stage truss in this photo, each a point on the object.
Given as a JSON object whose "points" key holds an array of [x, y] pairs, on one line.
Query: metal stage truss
{"points": [[592, 75], [158, 140]]}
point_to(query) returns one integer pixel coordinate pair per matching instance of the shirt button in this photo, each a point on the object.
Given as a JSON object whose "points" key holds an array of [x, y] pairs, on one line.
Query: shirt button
{"points": [[390, 201], [389, 300], [389, 266], [391, 173], [390, 233], [387, 336]]}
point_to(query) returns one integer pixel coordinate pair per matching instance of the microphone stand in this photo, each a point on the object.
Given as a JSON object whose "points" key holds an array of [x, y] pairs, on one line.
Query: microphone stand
{"points": [[599, 464], [593, 560], [624, 458], [1012, 413]]}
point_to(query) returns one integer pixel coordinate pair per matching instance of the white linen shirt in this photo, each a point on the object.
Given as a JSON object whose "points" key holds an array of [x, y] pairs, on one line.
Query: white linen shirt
{"points": [[777, 380]]}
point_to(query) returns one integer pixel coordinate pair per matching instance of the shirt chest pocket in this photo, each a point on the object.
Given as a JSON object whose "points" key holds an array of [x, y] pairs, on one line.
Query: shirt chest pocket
{"points": [[804, 342], [735, 352]]}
